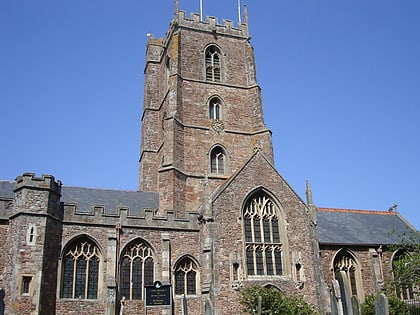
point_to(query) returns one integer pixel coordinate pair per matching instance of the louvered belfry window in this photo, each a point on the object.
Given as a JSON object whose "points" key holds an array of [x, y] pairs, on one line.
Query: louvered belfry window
{"points": [[263, 245], [213, 64]]}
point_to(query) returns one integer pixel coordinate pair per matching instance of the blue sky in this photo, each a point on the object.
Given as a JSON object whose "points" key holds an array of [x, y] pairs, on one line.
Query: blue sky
{"points": [[340, 83]]}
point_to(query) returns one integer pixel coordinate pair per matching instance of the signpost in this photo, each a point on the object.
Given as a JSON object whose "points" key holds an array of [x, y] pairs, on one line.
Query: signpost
{"points": [[158, 295]]}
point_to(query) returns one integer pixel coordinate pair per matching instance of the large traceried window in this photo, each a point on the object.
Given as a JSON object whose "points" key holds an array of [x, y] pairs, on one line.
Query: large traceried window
{"points": [[217, 160], [345, 262], [213, 64], [263, 245], [404, 290], [186, 277], [80, 270], [136, 270]]}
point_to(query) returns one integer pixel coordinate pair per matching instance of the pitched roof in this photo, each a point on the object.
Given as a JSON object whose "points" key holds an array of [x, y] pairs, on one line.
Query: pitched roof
{"points": [[360, 227], [111, 200], [86, 198], [6, 189]]}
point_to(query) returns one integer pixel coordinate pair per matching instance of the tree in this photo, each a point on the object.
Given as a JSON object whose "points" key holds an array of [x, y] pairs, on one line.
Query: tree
{"points": [[274, 302], [406, 265]]}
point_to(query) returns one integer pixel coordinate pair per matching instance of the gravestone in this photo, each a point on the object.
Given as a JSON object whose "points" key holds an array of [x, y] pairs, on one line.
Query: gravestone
{"points": [[381, 304], [355, 305], [345, 293]]}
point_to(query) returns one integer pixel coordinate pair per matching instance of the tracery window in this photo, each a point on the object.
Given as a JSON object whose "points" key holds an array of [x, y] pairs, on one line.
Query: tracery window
{"points": [[217, 160], [263, 245], [186, 277], [344, 261], [212, 64], [136, 270], [215, 108], [404, 290], [80, 272]]}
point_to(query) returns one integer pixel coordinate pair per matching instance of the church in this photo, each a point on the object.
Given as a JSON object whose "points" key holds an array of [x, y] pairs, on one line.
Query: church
{"points": [[211, 215]]}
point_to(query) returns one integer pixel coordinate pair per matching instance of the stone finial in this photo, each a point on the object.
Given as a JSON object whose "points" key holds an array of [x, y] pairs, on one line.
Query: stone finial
{"points": [[245, 14], [176, 6], [309, 200]]}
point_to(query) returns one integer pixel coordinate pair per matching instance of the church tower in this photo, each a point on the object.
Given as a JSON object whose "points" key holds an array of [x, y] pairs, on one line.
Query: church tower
{"points": [[202, 114]]}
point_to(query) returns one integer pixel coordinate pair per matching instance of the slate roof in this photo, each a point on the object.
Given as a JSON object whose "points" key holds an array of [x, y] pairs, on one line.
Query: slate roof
{"points": [[111, 200], [6, 189], [360, 227], [86, 198]]}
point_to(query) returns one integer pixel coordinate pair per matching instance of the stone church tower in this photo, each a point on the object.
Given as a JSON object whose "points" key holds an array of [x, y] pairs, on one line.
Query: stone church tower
{"points": [[202, 116], [205, 148]]}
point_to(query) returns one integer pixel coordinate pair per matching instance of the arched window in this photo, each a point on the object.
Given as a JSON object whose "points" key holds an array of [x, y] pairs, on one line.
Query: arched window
{"points": [[136, 270], [212, 64], [345, 262], [215, 108], [404, 289], [80, 269], [186, 277], [263, 244], [217, 160]]}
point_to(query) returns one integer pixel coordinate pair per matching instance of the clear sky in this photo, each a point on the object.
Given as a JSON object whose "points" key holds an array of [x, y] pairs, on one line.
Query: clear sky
{"points": [[340, 83]]}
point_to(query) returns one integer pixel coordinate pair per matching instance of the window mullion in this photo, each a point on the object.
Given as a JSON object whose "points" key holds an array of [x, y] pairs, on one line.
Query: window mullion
{"points": [[74, 277]]}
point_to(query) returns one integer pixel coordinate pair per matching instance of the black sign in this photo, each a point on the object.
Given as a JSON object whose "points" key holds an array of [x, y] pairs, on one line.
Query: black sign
{"points": [[158, 295]]}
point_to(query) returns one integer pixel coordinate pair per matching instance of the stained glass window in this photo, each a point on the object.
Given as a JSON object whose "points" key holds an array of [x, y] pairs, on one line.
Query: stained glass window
{"points": [[136, 270], [80, 270], [262, 236], [186, 277]]}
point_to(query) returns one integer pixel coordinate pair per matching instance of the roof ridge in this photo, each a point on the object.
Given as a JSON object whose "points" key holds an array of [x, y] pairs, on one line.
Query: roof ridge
{"points": [[358, 211]]}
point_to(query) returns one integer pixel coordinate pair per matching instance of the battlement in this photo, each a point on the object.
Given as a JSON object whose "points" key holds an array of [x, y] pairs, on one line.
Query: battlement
{"points": [[156, 46], [210, 25], [146, 218], [45, 182]]}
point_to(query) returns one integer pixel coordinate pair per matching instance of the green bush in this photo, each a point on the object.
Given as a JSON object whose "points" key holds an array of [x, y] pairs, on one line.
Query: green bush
{"points": [[274, 302], [396, 306]]}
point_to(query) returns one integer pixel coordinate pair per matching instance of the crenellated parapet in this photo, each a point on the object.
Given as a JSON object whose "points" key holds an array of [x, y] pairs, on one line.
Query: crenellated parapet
{"points": [[156, 46], [37, 195], [45, 182], [210, 24], [145, 219]]}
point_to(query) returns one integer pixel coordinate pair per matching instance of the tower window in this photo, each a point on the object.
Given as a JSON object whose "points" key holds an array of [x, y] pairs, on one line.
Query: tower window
{"points": [[26, 284], [262, 237], [213, 64], [137, 268], [186, 277], [217, 160], [31, 235], [80, 272], [215, 108]]}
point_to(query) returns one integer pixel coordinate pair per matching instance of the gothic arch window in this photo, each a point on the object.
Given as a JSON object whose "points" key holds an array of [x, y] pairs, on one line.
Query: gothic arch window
{"points": [[215, 108], [263, 243], [213, 63], [136, 269], [404, 290], [80, 269], [186, 275], [345, 262], [217, 160]]}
